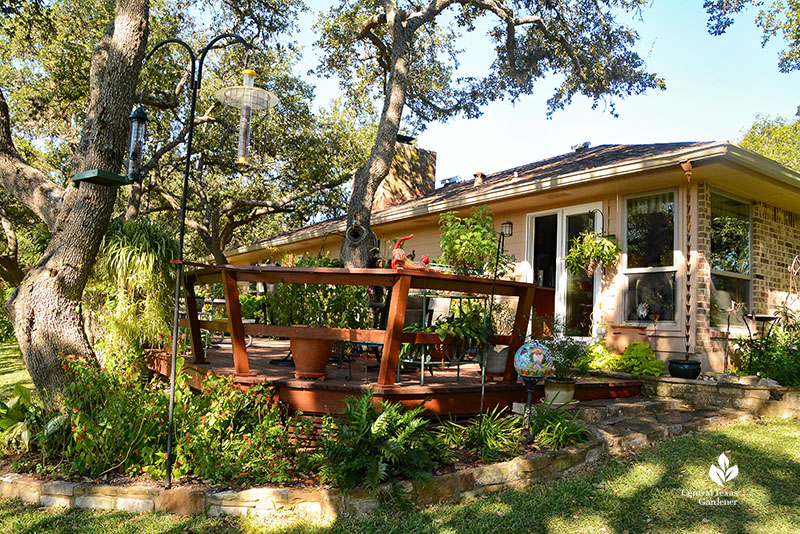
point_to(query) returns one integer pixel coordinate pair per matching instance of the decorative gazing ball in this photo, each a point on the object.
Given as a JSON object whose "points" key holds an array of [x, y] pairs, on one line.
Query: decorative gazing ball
{"points": [[533, 360]]}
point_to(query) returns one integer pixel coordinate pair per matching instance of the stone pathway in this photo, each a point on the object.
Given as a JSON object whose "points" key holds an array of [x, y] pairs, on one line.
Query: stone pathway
{"points": [[625, 425]]}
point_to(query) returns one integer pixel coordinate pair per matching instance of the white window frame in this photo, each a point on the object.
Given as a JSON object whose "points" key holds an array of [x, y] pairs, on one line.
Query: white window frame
{"points": [[560, 305], [676, 255], [718, 272]]}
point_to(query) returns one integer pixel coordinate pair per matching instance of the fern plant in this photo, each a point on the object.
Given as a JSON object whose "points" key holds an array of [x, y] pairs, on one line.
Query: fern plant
{"points": [[494, 435], [366, 446]]}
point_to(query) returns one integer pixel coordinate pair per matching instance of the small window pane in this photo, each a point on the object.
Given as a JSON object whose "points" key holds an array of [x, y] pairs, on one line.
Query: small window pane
{"points": [[651, 231], [730, 235], [725, 293], [650, 297]]}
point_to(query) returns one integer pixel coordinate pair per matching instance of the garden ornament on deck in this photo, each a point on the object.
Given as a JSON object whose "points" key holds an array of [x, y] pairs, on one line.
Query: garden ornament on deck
{"points": [[246, 98], [400, 259]]}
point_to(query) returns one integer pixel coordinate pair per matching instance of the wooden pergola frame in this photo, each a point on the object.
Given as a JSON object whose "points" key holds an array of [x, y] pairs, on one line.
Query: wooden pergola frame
{"points": [[400, 280]]}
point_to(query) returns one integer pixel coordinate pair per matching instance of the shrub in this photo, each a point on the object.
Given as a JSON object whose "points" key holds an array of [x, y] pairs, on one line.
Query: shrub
{"points": [[18, 418], [253, 307], [113, 422], [554, 428], [492, 436], [469, 244], [365, 446], [639, 359], [775, 356], [599, 357]]}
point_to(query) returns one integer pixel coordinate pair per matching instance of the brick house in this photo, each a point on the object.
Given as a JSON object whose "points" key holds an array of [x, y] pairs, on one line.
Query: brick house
{"points": [[702, 226]]}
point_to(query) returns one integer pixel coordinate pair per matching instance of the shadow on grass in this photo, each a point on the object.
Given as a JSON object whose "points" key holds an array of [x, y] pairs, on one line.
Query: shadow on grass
{"points": [[12, 370], [20, 518], [640, 494]]}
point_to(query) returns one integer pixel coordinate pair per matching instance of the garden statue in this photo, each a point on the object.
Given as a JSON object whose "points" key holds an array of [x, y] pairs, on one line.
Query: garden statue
{"points": [[400, 259]]}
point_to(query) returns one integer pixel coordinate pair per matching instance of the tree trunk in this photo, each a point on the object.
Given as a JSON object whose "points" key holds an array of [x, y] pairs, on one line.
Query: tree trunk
{"points": [[356, 249], [45, 309], [134, 202]]}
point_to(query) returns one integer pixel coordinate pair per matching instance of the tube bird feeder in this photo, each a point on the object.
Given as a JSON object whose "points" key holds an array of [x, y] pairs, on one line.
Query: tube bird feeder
{"points": [[247, 98]]}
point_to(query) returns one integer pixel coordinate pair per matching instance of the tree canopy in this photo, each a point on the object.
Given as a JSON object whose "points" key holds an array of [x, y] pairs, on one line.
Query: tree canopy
{"points": [[777, 139]]}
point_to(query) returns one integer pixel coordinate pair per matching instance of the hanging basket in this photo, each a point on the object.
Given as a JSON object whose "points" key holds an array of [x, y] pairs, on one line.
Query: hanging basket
{"points": [[591, 267]]}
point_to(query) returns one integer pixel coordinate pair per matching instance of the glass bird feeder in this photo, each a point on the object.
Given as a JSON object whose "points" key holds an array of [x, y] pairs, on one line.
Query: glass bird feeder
{"points": [[247, 98]]}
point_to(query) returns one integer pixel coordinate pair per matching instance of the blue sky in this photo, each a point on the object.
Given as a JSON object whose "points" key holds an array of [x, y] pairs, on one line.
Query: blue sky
{"points": [[715, 88]]}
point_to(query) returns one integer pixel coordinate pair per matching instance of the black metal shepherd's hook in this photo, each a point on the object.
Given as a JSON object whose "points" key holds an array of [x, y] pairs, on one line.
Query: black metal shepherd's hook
{"points": [[195, 80]]}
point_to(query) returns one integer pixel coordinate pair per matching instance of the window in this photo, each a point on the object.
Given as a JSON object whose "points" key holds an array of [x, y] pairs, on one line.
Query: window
{"points": [[650, 257], [729, 259]]}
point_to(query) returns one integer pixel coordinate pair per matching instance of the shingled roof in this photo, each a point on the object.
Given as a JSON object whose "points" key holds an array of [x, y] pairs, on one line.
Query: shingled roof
{"points": [[565, 164]]}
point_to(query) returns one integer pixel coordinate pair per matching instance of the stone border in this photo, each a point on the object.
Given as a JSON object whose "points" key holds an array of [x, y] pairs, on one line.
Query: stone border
{"points": [[315, 503], [758, 399]]}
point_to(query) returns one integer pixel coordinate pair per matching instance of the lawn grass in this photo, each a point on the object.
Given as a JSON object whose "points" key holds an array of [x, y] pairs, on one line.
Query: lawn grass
{"points": [[639, 494], [12, 370]]}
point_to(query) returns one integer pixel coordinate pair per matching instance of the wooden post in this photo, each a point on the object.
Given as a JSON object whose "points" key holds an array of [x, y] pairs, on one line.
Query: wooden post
{"points": [[394, 331], [521, 320], [235, 326], [191, 313]]}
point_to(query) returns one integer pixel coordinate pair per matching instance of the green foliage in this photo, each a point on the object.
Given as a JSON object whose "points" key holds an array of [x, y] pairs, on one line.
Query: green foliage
{"points": [[589, 250], [17, 417], [493, 436], [253, 307], [772, 18], [777, 139], [776, 353], [133, 281], [332, 306], [639, 359], [555, 428], [469, 244], [569, 352], [365, 446], [114, 421], [599, 357]]}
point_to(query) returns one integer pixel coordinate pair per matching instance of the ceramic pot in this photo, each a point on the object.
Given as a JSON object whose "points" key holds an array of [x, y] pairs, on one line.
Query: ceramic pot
{"points": [[558, 392], [496, 357], [684, 369], [311, 357]]}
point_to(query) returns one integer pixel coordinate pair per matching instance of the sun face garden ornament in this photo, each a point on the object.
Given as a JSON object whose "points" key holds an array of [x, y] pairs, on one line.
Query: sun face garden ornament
{"points": [[533, 360]]}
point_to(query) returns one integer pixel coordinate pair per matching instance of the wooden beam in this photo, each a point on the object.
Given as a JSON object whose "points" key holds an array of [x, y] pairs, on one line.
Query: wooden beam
{"points": [[521, 320], [240, 361], [394, 331], [309, 332], [191, 314]]}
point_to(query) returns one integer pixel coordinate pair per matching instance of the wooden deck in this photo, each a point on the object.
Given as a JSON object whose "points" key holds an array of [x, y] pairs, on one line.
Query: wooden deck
{"points": [[446, 391]]}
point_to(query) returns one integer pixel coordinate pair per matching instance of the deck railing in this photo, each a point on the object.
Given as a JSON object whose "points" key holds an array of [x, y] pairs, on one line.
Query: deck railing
{"points": [[400, 280]]}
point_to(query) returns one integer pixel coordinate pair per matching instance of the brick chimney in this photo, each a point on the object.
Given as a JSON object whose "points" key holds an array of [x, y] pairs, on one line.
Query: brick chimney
{"points": [[413, 175]]}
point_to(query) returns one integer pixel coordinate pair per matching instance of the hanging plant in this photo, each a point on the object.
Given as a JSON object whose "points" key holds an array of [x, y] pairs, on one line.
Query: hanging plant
{"points": [[588, 251]]}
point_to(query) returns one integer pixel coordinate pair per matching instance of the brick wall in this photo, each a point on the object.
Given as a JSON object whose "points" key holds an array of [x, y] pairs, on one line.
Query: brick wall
{"points": [[775, 241]]}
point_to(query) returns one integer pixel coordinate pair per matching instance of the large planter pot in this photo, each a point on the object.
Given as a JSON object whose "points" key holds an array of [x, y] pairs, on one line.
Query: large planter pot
{"points": [[558, 392], [311, 357], [496, 357], [620, 336], [684, 369]]}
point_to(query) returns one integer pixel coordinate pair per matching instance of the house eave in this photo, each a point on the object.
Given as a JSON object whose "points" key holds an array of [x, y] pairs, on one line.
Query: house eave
{"points": [[697, 155]]}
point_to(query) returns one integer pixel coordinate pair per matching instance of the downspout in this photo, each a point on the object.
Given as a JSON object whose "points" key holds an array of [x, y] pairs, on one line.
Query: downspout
{"points": [[687, 170]]}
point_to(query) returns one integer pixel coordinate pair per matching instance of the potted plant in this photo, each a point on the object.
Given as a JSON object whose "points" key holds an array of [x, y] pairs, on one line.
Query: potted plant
{"points": [[684, 368], [469, 244], [590, 250], [569, 361], [318, 305], [463, 331]]}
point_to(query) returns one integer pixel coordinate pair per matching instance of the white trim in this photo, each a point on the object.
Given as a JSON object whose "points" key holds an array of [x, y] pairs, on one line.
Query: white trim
{"points": [[560, 304], [676, 258]]}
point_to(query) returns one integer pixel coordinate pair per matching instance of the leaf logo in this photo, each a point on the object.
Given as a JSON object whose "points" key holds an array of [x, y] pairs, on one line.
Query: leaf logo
{"points": [[725, 472]]}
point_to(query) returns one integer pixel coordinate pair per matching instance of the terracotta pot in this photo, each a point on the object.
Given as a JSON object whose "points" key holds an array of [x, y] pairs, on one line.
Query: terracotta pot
{"points": [[558, 392], [311, 357], [620, 336], [445, 351]]}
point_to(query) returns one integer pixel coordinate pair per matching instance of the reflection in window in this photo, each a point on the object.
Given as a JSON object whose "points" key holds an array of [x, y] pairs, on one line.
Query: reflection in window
{"points": [[651, 297], [651, 231], [730, 259]]}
